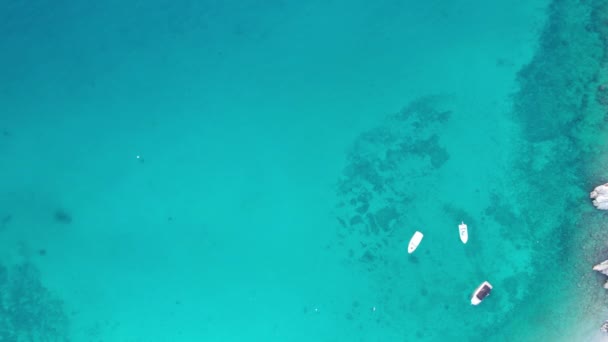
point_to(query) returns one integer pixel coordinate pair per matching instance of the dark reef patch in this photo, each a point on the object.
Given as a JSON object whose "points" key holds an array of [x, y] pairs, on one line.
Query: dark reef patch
{"points": [[385, 217], [6, 219], [28, 310], [62, 216], [553, 85], [384, 165], [504, 214]]}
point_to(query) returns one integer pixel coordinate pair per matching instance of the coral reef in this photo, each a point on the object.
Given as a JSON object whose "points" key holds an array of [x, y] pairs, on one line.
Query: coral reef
{"points": [[383, 167], [552, 96]]}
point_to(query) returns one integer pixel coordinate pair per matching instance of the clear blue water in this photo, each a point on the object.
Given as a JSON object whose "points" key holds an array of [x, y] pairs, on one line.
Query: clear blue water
{"points": [[239, 171]]}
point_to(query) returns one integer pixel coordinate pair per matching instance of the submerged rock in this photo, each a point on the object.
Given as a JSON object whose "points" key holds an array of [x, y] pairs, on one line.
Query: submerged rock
{"points": [[599, 195]]}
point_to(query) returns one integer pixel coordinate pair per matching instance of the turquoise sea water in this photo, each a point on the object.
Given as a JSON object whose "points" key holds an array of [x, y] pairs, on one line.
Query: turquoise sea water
{"points": [[239, 171]]}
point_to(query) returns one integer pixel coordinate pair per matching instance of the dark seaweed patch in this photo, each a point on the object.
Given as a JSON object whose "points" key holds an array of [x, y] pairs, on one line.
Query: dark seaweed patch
{"points": [[62, 216]]}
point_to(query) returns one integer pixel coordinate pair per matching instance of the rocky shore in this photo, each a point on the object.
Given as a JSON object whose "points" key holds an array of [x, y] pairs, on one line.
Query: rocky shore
{"points": [[599, 195], [603, 268]]}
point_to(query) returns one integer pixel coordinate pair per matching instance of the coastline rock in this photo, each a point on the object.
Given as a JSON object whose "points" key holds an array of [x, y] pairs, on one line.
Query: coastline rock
{"points": [[604, 327], [599, 195], [602, 267]]}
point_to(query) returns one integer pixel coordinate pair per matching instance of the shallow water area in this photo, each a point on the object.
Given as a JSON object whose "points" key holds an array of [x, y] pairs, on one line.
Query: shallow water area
{"points": [[242, 171]]}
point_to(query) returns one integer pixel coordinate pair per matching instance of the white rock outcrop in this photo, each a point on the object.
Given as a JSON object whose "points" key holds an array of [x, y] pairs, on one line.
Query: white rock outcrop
{"points": [[599, 195], [602, 267], [604, 327]]}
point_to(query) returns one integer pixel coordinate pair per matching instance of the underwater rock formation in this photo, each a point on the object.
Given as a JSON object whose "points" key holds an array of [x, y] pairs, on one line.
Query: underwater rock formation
{"points": [[599, 195]]}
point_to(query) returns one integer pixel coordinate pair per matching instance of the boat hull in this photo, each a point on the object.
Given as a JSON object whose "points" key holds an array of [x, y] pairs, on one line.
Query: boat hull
{"points": [[414, 242], [481, 292], [464, 232]]}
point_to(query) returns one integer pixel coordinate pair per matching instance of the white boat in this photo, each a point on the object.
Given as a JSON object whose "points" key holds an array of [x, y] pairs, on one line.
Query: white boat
{"points": [[464, 234], [414, 242], [481, 292]]}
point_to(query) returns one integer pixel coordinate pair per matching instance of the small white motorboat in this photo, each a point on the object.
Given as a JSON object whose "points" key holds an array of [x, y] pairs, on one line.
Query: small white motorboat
{"points": [[481, 292], [414, 242], [464, 234]]}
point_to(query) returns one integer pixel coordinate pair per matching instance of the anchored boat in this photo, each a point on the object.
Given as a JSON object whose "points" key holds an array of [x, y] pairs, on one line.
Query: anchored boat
{"points": [[481, 292], [414, 242], [464, 234]]}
